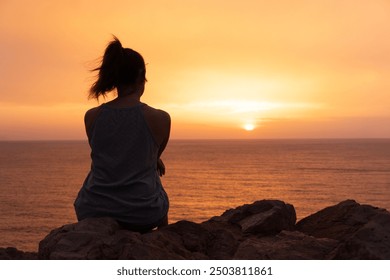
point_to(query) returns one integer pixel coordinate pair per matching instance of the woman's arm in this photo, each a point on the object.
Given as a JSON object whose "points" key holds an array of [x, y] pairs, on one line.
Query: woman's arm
{"points": [[166, 130], [159, 123], [89, 120]]}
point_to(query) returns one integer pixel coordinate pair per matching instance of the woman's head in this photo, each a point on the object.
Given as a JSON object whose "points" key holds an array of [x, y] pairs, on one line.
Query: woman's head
{"points": [[120, 67]]}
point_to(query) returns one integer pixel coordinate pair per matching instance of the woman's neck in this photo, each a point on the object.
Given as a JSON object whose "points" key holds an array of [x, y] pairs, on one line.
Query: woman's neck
{"points": [[125, 101], [133, 98], [135, 90]]}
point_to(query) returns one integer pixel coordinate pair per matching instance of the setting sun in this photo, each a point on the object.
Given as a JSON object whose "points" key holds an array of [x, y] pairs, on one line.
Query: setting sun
{"points": [[249, 127]]}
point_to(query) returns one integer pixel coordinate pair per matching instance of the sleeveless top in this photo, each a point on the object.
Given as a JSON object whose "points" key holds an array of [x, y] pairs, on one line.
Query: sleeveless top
{"points": [[123, 182]]}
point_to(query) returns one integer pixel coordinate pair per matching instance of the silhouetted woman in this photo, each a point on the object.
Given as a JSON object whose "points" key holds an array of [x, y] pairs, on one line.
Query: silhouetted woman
{"points": [[127, 138]]}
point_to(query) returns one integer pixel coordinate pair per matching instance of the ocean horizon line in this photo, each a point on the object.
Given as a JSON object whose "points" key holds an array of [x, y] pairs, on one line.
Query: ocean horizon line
{"points": [[211, 139]]}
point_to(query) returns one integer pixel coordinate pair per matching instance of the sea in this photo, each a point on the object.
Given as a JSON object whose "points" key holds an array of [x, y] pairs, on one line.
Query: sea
{"points": [[39, 180]]}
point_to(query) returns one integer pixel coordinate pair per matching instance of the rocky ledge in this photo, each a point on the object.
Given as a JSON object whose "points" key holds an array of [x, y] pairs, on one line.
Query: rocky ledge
{"points": [[266, 229]]}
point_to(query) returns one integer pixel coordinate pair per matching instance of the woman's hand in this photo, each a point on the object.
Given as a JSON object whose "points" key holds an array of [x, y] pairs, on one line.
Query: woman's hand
{"points": [[160, 167]]}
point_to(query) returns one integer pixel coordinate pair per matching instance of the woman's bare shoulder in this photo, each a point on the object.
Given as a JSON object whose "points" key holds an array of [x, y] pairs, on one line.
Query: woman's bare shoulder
{"points": [[156, 114], [91, 115], [159, 122], [93, 111]]}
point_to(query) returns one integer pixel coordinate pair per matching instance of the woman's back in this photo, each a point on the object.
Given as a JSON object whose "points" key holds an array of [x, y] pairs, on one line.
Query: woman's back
{"points": [[123, 181], [122, 145]]}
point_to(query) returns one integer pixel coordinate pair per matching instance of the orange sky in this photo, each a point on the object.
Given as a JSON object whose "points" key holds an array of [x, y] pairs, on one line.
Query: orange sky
{"points": [[288, 68]]}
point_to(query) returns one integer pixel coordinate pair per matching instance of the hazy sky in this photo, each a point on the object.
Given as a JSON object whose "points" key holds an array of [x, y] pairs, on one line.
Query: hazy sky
{"points": [[282, 68]]}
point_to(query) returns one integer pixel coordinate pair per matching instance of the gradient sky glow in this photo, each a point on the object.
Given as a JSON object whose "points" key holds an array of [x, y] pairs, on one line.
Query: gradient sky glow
{"points": [[289, 69]]}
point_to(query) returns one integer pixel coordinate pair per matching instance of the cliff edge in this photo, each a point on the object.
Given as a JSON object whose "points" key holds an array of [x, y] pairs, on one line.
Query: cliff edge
{"points": [[265, 229]]}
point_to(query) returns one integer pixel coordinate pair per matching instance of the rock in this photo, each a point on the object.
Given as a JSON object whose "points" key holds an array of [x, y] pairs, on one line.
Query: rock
{"points": [[218, 238], [286, 245], [11, 253], [182, 240], [263, 217], [263, 230], [363, 230]]}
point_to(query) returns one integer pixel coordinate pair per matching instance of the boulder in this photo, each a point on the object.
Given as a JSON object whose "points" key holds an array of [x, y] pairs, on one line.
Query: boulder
{"points": [[363, 230], [265, 217], [95, 239], [11, 253], [287, 245]]}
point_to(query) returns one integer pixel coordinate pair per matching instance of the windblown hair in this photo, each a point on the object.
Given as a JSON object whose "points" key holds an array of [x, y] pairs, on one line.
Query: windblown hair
{"points": [[120, 66]]}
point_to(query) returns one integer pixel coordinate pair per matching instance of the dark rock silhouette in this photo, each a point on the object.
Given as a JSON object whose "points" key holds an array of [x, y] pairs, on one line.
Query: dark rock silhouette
{"points": [[11, 253], [266, 229], [363, 231]]}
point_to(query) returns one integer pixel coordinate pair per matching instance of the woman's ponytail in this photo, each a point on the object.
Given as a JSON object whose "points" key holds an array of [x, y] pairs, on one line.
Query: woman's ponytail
{"points": [[109, 71]]}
